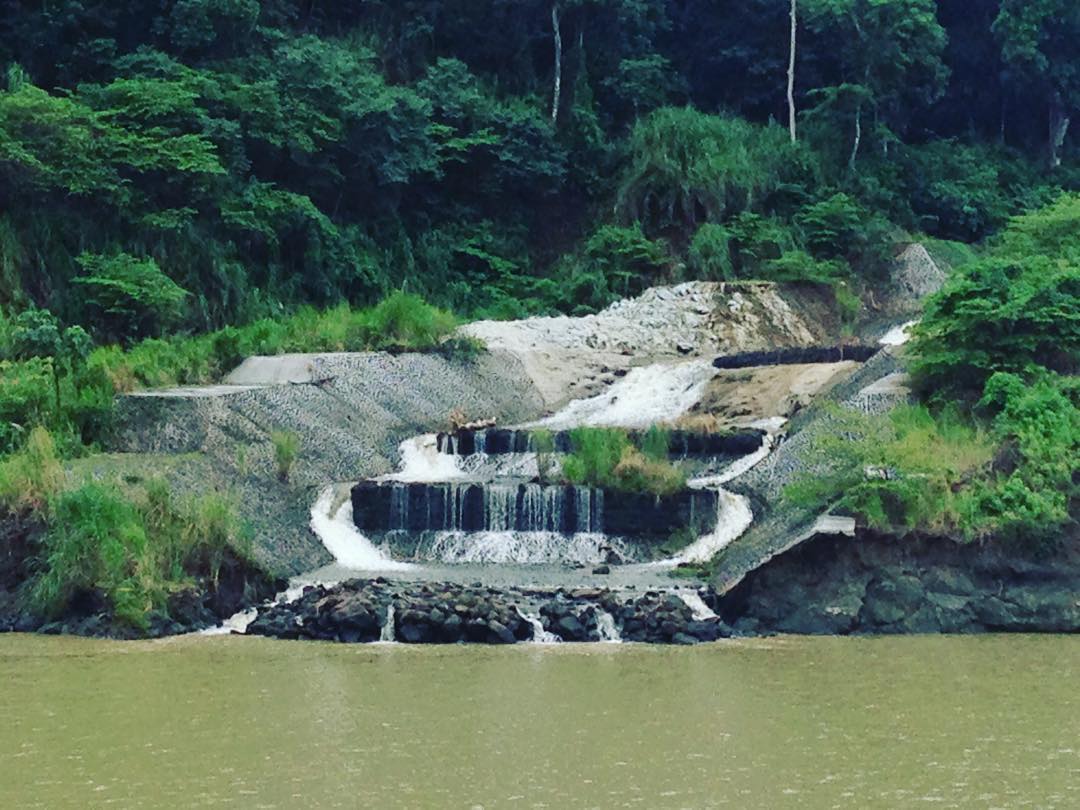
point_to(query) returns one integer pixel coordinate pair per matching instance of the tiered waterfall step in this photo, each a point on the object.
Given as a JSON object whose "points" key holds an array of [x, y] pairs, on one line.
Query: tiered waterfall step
{"points": [[387, 506], [682, 443]]}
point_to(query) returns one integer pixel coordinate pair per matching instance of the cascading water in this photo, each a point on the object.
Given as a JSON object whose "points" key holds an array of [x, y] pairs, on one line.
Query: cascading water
{"points": [[898, 335], [606, 628], [700, 611], [345, 543], [644, 397], [521, 548], [388, 631], [421, 461], [539, 634]]}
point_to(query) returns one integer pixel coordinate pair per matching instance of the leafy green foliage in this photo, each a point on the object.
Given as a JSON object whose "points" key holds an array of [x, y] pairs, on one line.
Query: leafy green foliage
{"points": [[133, 553], [687, 167], [605, 457], [906, 469], [1012, 312], [129, 297]]}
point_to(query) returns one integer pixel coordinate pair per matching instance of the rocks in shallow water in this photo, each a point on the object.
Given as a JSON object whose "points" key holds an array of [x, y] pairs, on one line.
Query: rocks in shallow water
{"points": [[447, 613]]}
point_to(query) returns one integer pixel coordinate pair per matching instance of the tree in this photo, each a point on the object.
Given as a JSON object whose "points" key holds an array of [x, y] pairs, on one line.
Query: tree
{"points": [[1039, 39], [887, 57], [128, 296], [791, 72], [37, 333]]}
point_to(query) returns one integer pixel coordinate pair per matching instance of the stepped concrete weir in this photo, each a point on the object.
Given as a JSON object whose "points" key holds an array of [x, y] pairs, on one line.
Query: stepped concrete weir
{"points": [[681, 443], [392, 506]]}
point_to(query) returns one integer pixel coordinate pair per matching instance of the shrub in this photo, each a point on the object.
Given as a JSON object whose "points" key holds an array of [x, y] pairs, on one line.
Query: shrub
{"points": [[830, 227], [1001, 314], [709, 255], [605, 457], [96, 542], [286, 449], [33, 475], [906, 469], [404, 321], [128, 296], [133, 553], [688, 167], [627, 260]]}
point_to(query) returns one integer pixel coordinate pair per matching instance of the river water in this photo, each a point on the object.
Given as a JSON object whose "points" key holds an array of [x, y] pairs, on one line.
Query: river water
{"points": [[978, 722]]}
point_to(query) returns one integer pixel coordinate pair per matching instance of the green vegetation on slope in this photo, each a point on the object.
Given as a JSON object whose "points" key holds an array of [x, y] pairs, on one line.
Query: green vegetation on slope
{"points": [[996, 356], [129, 549]]}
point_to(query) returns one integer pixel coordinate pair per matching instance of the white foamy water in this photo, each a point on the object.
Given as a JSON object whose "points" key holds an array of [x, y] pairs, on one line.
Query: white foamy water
{"points": [[345, 543], [421, 462], [693, 600], [898, 335], [540, 635], [644, 397], [389, 629], [237, 623], [733, 519], [606, 628], [738, 467], [526, 548]]}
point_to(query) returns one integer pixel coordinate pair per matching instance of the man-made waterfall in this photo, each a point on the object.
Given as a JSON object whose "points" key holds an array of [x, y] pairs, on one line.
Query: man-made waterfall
{"points": [[381, 507], [698, 608], [422, 461], [734, 517], [341, 538], [388, 631], [605, 627], [646, 396], [539, 634], [523, 548]]}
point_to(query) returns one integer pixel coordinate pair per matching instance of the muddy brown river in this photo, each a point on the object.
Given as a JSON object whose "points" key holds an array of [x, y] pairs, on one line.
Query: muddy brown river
{"points": [[980, 722]]}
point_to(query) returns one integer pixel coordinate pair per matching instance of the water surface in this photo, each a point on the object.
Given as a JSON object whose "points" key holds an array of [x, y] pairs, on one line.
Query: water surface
{"points": [[979, 722]]}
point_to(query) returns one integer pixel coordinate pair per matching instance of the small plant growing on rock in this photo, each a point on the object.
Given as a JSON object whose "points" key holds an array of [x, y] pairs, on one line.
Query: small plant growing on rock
{"points": [[286, 449], [543, 442]]}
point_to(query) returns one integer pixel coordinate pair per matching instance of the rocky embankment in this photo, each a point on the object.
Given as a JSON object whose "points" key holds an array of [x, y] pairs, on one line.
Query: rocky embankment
{"points": [[365, 610], [884, 584], [207, 602]]}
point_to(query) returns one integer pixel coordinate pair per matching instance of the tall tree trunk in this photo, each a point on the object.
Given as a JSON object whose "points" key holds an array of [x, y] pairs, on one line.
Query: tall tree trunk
{"points": [[858, 137], [791, 73], [1059, 128], [556, 95]]}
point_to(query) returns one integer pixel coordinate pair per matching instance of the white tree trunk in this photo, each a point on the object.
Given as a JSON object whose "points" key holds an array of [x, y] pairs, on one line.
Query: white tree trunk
{"points": [[791, 73], [858, 136], [556, 95], [1059, 128]]}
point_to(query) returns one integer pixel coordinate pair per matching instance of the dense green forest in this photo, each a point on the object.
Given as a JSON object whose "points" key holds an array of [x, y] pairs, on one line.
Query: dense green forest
{"points": [[182, 166], [184, 182]]}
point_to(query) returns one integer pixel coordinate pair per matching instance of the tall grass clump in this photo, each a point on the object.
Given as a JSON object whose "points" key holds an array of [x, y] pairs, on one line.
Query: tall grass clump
{"points": [[132, 553], [96, 543], [31, 476], [286, 449], [605, 457]]}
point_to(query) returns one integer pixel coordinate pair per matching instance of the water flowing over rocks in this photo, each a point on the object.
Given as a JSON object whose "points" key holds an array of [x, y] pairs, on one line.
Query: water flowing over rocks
{"points": [[573, 357], [368, 610], [382, 506], [681, 443]]}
